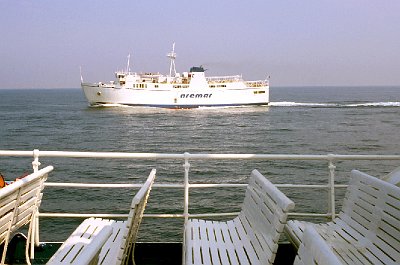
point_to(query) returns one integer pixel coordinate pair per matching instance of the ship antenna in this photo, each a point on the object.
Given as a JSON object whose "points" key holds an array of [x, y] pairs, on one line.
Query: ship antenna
{"points": [[172, 56], [127, 66]]}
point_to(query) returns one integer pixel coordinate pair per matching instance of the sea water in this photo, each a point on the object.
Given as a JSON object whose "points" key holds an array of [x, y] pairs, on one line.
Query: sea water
{"points": [[299, 120]]}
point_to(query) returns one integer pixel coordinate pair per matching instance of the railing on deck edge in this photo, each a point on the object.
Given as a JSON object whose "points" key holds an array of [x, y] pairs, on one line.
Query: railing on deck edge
{"points": [[186, 157]]}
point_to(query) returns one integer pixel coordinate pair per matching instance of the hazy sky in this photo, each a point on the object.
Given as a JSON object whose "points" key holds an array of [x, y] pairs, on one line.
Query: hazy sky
{"points": [[311, 42]]}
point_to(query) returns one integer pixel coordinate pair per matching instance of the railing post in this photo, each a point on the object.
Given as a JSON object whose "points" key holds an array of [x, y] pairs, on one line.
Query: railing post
{"points": [[186, 184], [35, 226], [186, 203], [35, 163], [331, 203]]}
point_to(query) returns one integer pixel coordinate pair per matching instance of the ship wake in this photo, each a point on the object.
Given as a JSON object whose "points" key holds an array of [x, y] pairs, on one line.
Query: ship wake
{"points": [[334, 104]]}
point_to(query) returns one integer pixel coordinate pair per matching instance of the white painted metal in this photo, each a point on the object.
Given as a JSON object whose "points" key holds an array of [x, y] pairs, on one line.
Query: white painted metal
{"points": [[159, 156], [331, 202], [35, 162], [114, 185], [172, 56], [366, 231], [251, 238], [187, 157], [84, 244], [333, 157], [186, 187], [393, 177], [314, 250], [19, 204], [118, 247]]}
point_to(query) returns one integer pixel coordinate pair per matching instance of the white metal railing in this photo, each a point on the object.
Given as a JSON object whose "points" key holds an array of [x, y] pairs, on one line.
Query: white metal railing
{"points": [[230, 78], [187, 157], [258, 83]]}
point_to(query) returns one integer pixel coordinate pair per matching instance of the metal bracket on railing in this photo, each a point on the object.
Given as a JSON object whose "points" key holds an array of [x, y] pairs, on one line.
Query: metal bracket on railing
{"points": [[331, 184], [35, 163]]}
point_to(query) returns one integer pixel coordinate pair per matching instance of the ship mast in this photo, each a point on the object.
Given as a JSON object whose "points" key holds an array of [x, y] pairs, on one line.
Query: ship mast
{"points": [[127, 66], [172, 56]]}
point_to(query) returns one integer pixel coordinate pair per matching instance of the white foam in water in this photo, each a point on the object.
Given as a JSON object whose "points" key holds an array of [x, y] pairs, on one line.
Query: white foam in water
{"points": [[300, 104], [109, 105], [304, 104], [375, 104]]}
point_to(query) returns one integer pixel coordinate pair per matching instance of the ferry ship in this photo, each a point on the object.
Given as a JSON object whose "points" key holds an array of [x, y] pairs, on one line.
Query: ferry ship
{"points": [[365, 231], [190, 89]]}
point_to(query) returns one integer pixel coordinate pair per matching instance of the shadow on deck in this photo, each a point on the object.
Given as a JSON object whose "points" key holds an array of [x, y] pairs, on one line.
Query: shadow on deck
{"points": [[145, 253]]}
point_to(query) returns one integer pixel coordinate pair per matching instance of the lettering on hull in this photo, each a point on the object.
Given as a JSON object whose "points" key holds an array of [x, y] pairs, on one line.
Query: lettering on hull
{"points": [[195, 95]]}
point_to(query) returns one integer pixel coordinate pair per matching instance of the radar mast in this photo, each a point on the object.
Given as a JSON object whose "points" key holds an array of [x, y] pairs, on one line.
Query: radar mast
{"points": [[172, 56], [128, 69]]}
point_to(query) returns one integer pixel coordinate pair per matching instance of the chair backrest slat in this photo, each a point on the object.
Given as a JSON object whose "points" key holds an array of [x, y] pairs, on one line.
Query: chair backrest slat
{"points": [[135, 217], [266, 208], [373, 207], [19, 203], [19, 199]]}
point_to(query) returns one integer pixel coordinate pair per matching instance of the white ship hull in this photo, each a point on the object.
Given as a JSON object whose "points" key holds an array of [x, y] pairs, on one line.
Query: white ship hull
{"points": [[174, 97]]}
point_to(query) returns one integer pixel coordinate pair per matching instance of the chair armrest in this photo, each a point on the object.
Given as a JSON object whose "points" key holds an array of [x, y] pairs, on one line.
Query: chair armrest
{"points": [[91, 251], [85, 243], [315, 250]]}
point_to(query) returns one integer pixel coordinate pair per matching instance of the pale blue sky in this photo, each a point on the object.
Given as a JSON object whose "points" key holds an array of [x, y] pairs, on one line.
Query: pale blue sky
{"points": [[297, 43]]}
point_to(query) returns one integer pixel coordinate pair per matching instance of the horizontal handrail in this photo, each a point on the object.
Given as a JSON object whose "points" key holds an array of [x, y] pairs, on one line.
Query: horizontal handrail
{"points": [[99, 185], [69, 154], [174, 186], [124, 216]]}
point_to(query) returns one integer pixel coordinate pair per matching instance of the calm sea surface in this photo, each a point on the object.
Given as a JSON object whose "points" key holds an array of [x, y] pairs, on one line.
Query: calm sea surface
{"points": [[301, 120]]}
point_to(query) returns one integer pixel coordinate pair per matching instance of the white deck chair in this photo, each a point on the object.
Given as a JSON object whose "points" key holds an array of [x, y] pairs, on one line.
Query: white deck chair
{"points": [[366, 231], [314, 250], [250, 238], [105, 241], [19, 203], [393, 177]]}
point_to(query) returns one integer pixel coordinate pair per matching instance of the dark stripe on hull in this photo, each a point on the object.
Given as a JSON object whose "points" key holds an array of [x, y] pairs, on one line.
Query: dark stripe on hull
{"points": [[180, 106]]}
